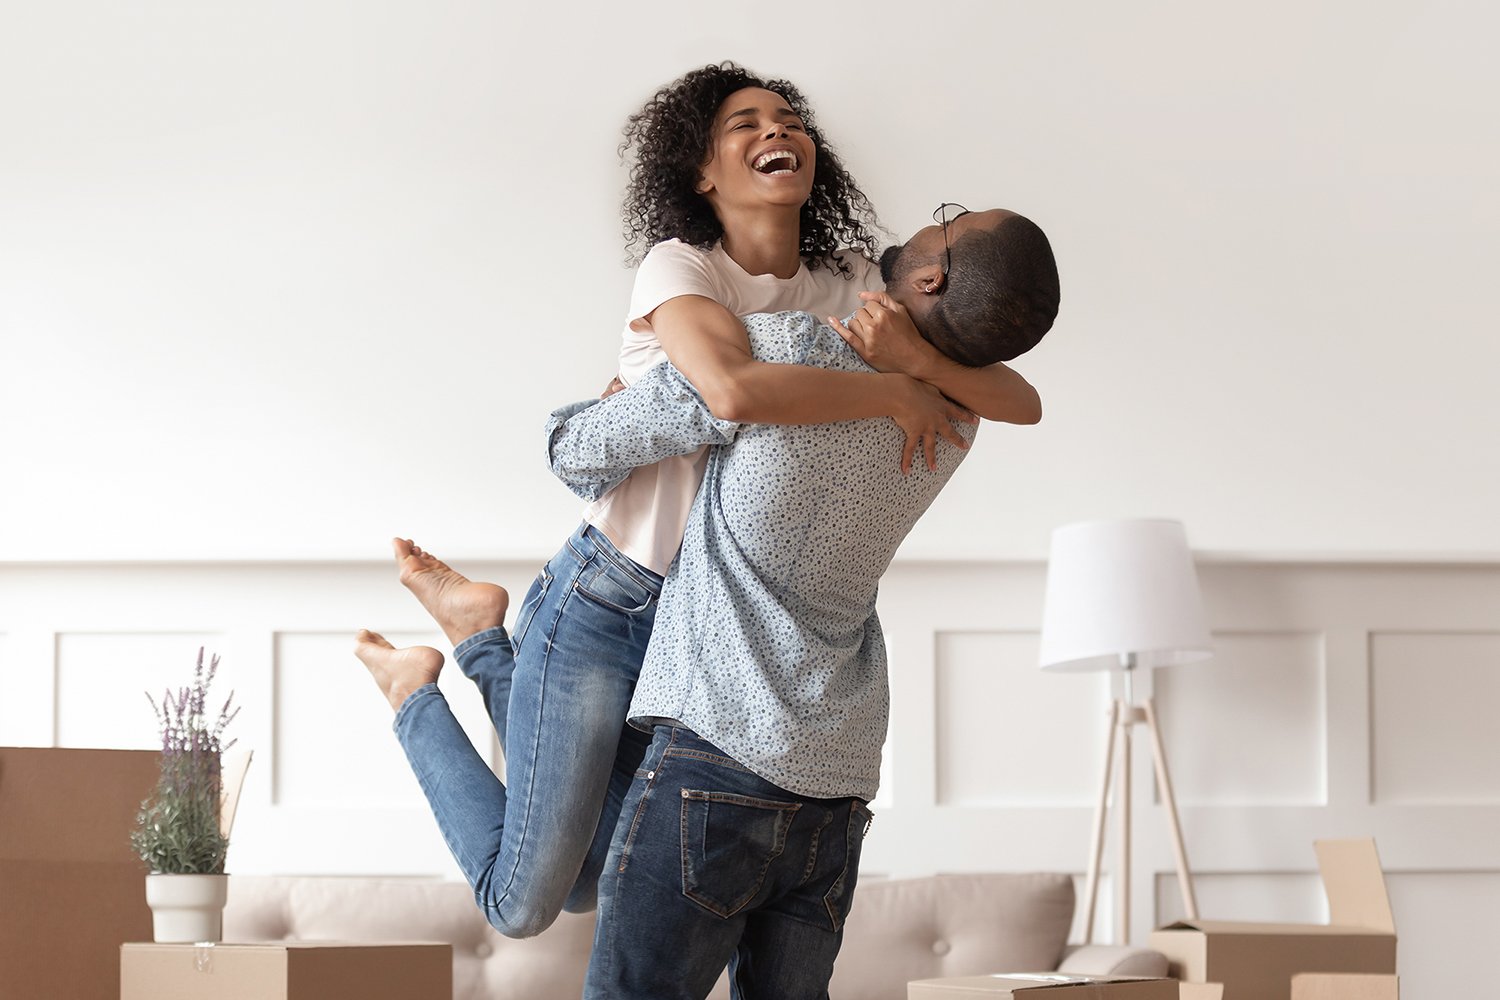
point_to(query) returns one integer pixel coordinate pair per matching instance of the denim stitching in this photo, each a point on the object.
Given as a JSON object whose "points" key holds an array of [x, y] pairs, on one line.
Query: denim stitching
{"points": [[652, 594], [635, 821], [712, 758], [525, 627], [640, 809], [735, 799], [788, 811], [812, 853], [631, 570], [835, 890], [525, 820], [580, 588]]}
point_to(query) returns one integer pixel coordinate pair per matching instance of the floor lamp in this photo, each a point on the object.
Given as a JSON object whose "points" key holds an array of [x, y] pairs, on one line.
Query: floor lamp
{"points": [[1123, 595]]}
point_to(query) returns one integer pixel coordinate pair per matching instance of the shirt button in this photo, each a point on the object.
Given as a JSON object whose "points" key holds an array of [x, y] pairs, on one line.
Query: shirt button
{"points": [[484, 950], [941, 947]]}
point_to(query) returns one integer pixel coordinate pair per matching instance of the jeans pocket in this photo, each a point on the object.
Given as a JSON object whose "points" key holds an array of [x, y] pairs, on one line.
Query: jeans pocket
{"points": [[534, 598], [840, 895], [728, 844], [605, 582]]}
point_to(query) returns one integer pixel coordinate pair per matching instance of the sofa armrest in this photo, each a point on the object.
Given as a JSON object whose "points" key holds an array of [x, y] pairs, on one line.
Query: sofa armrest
{"points": [[1112, 960]]}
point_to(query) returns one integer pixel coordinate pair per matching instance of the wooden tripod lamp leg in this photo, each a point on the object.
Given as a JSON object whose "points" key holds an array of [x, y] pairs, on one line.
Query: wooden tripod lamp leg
{"points": [[1164, 780], [1120, 884], [1101, 809]]}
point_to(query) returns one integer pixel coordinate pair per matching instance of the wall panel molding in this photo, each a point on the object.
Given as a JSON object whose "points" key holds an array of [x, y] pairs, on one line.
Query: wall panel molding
{"points": [[1433, 698]]}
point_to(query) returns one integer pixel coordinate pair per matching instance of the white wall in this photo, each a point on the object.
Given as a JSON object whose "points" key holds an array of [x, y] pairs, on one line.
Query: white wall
{"points": [[280, 280]]}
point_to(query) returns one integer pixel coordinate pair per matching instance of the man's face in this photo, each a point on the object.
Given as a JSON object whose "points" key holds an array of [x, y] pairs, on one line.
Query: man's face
{"points": [[759, 154], [913, 271], [926, 245]]}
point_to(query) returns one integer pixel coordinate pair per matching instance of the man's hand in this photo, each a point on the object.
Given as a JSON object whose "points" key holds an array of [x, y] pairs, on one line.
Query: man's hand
{"points": [[615, 385], [884, 335]]}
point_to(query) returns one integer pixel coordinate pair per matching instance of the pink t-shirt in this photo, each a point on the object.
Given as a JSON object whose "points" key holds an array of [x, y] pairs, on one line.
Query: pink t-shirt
{"points": [[645, 515]]}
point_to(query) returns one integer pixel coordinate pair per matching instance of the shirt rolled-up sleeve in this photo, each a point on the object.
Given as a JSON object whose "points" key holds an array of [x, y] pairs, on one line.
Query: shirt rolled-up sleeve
{"points": [[593, 445]]}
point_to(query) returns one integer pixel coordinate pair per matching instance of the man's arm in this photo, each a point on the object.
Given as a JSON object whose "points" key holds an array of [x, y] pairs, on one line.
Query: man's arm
{"points": [[593, 445], [884, 335]]}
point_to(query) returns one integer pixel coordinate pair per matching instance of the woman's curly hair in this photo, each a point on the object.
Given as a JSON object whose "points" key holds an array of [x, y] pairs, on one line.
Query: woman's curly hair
{"points": [[667, 142]]}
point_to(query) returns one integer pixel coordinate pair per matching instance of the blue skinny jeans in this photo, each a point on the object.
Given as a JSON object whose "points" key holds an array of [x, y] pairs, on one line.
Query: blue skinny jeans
{"points": [[557, 690]]}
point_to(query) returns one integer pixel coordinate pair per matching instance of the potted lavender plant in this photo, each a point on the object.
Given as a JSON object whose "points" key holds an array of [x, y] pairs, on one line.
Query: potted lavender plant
{"points": [[178, 832]]}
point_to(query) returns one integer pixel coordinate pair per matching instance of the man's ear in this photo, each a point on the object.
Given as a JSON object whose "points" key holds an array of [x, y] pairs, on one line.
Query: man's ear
{"points": [[918, 291], [926, 280]]}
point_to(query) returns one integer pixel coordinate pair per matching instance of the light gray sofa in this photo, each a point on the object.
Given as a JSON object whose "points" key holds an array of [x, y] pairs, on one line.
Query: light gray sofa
{"points": [[898, 930]]}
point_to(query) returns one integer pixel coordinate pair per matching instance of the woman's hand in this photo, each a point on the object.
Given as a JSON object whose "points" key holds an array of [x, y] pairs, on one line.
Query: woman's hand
{"points": [[884, 335], [615, 385], [924, 414]]}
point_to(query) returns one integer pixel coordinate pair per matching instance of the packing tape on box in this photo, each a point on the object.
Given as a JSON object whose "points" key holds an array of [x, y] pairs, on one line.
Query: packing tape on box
{"points": [[203, 956]]}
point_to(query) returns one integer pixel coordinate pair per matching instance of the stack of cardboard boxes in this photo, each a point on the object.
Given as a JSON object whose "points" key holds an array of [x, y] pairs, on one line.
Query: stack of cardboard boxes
{"points": [[1354, 954], [71, 891], [72, 898]]}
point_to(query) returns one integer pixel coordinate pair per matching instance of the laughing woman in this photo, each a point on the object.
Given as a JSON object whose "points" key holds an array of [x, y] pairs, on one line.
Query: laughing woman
{"points": [[745, 208]]}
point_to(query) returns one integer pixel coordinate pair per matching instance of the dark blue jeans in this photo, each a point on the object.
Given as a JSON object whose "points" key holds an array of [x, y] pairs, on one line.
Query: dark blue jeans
{"points": [[710, 865], [558, 697]]}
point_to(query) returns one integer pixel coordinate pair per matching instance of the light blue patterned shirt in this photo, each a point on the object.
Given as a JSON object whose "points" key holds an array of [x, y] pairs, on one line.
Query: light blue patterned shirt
{"points": [[766, 641]]}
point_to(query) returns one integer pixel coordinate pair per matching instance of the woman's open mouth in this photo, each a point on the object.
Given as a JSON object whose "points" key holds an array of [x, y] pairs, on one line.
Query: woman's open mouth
{"points": [[776, 161]]}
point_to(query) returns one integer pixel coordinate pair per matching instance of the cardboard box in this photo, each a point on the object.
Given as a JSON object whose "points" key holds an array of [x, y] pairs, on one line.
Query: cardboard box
{"points": [[288, 970], [1042, 986], [1200, 991], [1344, 986], [71, 890], [1256, 961]]}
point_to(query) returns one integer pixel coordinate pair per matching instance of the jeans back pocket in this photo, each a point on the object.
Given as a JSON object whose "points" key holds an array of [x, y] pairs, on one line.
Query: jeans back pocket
{"points": [[728, 844], [840, 896]]}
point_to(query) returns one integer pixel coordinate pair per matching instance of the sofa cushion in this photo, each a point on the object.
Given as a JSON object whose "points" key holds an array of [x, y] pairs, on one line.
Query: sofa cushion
{"points": [[950, 925]]}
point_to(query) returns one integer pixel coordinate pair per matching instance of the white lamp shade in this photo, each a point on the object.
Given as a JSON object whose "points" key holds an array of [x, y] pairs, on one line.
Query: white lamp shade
{"points": [[1119, 587]]}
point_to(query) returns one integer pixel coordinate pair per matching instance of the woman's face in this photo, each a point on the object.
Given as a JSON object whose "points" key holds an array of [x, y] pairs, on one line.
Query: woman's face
{"points": [[759, 155]]}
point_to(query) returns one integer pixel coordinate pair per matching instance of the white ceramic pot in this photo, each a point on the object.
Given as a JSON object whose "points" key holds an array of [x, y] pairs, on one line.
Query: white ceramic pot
{"points": [[186, 908]]}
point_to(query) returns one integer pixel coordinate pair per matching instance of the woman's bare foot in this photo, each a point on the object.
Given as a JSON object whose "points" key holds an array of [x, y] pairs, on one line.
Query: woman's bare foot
{"points": [[397, 672], [460, 606]]}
